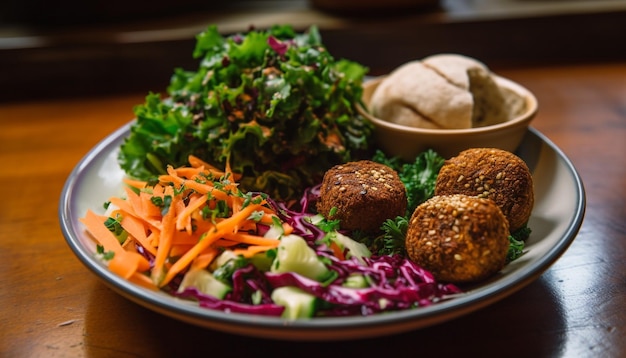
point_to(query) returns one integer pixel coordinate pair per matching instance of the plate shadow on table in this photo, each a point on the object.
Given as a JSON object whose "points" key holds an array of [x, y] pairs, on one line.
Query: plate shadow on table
{"points": [[155, 335]]}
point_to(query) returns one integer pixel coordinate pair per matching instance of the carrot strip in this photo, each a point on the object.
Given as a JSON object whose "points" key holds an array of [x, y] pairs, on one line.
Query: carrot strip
{"points": [[196, 186], [133, 199], [134, 227], [267, 218], [95, 225], [228, 171], [188, 172], [158, 190], [197, 162], [252, 239], [154, 237], [125, 206], [128, 264], [123, 263], [165, 239], [184, 218], [183, 238], [137, 184], [204, 260], [167, 179], [287, 229], [147, 207], [337, 251], [248, 226], [179, 249], [225, 243], [142, 280], [221, 228], [137, 230], [252, 250], [236, 206]]}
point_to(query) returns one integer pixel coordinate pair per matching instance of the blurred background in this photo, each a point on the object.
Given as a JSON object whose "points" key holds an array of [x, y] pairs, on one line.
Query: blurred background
{"points": [[63, 48]]}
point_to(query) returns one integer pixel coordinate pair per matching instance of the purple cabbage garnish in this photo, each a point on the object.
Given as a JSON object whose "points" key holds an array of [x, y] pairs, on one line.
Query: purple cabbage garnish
{"points": [[298, 216], [394, 281], [279, 46], [206, 301]]}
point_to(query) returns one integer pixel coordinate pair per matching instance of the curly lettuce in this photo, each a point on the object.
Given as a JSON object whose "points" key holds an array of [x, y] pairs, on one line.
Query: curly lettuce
{"points": [[274, 104]]}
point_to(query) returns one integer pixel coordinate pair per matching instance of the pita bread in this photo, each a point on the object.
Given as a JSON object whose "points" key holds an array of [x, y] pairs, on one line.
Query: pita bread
{"points": [[445, 91], [415, 95]]}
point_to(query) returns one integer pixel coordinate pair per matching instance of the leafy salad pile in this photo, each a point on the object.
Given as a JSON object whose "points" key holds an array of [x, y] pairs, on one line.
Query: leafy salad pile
{"points": [[274, 103]]}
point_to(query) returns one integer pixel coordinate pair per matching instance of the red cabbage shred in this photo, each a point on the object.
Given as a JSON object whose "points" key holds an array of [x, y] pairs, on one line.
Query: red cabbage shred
{"points": [[396, 283]]}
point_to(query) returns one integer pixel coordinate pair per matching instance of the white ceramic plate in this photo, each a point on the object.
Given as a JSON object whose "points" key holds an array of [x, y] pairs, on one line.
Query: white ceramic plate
{"points": [[557, 216]]}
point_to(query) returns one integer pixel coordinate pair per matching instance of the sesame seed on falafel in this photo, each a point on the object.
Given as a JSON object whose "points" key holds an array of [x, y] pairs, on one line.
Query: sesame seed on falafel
{"points": [[458, 238], [491, 173], [364, 193]]}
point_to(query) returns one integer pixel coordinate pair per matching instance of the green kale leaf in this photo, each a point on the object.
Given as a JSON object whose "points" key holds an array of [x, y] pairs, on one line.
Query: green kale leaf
{"points": [[418, 177], [273, 103]]}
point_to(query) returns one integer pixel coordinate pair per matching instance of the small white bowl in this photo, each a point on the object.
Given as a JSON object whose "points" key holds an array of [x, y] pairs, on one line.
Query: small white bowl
{"points": [[407, 142]]}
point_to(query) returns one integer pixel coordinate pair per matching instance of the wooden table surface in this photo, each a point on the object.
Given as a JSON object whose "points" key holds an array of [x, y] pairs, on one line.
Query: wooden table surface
{"points": [[52, 306]]}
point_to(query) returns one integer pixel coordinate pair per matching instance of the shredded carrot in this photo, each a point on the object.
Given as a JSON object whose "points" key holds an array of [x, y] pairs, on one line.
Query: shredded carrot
{"points": [[124, 263], [251, 239], [133, 183], [252, 250], [197, 186], [337, 251], [287, 229], [128, 264], [198, 163], [188, 172], [95, 225], [221, 228], [184, 219], [153, 239], [147, 207], [179, 249], [165, 241], [203, 260], [135, 228], [225, 243], [142, 280], [182, 222]]}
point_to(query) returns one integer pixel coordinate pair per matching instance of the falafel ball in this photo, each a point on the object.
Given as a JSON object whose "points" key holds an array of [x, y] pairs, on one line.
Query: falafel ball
{"points": [[491, 173], [364, 193], [458, 238]]}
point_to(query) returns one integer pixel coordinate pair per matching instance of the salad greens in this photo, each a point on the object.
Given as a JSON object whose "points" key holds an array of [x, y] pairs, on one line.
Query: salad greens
{"points": [[274, 104], [419, 178]]}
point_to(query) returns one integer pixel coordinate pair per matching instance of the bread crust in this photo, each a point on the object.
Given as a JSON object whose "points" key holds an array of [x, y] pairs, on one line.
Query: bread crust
{"points": [[443, 91]]}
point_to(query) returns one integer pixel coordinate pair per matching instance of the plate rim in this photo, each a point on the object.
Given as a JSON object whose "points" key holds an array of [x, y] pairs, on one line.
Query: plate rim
{"points": [[318, 328]]}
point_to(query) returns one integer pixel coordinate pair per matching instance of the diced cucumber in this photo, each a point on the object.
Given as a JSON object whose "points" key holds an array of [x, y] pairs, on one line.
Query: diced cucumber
{"points": [[356, 281], [355, 249], [221, 259], [297, 303], [262, 261], [295, 255], [204, 282]]}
